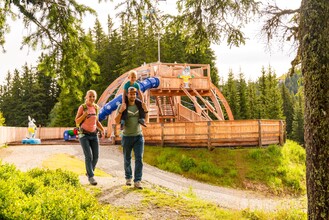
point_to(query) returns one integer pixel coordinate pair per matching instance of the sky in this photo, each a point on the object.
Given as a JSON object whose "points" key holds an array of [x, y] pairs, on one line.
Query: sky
{"points": [[248, 58]]}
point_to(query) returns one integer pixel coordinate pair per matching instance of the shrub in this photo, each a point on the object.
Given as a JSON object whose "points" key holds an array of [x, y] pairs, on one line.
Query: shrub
{"points": [[186, 163], [45, 194]]}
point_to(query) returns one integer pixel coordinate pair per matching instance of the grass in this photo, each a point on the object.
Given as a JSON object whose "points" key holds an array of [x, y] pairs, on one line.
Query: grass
{"points": [[70, 163], [275, 169], [58, 194], [187, 206], [223, 166]]}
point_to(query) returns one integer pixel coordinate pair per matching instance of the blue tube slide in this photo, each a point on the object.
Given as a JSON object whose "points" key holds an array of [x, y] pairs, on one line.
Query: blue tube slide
{"points": [[112, 105]]}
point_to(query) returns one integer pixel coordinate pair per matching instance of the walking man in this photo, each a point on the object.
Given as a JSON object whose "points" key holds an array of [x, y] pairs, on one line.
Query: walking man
{"points": [[132, 138]]}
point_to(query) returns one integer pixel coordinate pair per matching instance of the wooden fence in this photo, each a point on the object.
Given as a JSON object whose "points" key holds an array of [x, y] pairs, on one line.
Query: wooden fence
{"points": [[213, 134], [14, 134], [209, 134]]}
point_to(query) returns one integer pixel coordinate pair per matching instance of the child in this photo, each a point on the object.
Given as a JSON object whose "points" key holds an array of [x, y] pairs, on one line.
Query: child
{"points": [[132, 76]]}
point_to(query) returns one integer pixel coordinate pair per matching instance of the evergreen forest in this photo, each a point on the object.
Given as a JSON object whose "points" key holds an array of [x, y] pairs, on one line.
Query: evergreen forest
{"points": [[52, 101], [73, 60]]}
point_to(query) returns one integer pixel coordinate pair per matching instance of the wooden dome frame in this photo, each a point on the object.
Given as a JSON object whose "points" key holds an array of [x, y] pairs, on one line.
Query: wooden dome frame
{"points": [[165, 102]]}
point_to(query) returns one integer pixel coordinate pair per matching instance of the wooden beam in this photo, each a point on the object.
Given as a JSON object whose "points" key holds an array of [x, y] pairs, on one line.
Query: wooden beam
{"points": [[207, 104], [196, 104]]}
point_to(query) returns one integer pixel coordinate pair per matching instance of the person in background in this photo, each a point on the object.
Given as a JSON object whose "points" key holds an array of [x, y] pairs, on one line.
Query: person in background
{"points": [[132, 138], [132, 83], [87, 119]]}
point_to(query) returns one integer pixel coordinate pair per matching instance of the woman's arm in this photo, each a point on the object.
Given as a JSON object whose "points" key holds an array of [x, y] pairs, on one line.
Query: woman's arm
{"points": [[100, 127], [80, 116]]}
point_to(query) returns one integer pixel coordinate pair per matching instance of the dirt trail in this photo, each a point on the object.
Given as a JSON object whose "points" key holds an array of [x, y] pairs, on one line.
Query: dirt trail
{"points": [[26, 157]]}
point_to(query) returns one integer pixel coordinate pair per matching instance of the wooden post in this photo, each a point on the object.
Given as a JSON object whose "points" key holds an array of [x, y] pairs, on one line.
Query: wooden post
{"points": [[209, 136], [281, 130], [259, 133], [162, 134], [39, 132]]}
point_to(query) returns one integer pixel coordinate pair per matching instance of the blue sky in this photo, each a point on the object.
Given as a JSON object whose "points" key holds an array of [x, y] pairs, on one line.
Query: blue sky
{"points": [[248, 58]]}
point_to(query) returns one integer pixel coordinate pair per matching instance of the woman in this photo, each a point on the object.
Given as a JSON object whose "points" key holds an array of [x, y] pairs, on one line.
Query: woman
{"points": [[87, 120]]}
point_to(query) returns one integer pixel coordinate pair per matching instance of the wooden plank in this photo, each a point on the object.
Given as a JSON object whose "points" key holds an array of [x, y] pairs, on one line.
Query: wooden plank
{"points": [[209, 134], [260, 133]]}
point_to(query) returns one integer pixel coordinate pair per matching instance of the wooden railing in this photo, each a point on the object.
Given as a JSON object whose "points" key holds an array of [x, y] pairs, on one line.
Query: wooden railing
{"points": [[209, 134], [213, 134]]}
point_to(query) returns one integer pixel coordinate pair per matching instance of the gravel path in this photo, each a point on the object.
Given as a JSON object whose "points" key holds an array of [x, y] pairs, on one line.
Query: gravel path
{"points": [[26, 157]]}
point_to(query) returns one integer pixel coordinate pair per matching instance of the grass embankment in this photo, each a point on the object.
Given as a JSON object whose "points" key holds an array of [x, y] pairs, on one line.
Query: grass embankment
{"points": [[274, 169], [58, 194], [46, 194]]}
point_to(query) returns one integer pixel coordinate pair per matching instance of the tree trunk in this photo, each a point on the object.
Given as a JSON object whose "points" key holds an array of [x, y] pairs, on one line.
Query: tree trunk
{"points": [[314, 45]]}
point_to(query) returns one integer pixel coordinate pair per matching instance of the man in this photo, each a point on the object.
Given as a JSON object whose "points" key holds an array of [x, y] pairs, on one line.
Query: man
{"points": [[132, 138]]}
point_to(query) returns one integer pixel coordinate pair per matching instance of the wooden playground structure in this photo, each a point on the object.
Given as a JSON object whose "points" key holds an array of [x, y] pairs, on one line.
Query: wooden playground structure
{"points": [[187, 109]]}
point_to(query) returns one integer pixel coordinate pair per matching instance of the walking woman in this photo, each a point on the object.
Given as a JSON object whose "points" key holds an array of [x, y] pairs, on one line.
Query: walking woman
{"points": [[87, 120]]}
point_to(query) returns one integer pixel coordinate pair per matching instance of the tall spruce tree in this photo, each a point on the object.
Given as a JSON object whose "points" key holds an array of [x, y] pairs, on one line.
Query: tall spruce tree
{"points": [[263, 95], [309, 27], [288, 108], [242, 92], [274, 107], [298, 120], [231, 93], [12, 109], [28, 94], [252, 100]]}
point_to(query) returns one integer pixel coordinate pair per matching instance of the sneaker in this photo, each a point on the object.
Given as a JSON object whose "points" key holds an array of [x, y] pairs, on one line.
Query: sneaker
{"points": [[138, 185], [128, 182], [92, 181], [142, 122]]}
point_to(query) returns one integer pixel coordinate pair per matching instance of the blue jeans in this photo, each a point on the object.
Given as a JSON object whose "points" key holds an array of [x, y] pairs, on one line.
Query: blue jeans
{"points": [[129, 143], [90, 146]]}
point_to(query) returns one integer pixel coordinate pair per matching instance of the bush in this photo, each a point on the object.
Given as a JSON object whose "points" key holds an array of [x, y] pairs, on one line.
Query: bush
{"points": [[186, 163], [45, 194], [281, 168]]}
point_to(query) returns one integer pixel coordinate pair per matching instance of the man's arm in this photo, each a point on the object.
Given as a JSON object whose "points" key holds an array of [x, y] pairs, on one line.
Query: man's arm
{"points": [[121, 108]]}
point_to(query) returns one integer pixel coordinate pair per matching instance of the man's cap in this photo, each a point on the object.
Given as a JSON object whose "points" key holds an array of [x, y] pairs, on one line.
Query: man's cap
{"points": [[132, 89]]}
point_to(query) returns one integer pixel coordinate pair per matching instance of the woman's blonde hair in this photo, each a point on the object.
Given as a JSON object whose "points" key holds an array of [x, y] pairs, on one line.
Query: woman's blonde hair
{"points": [[93, 91], [132, 72]]}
